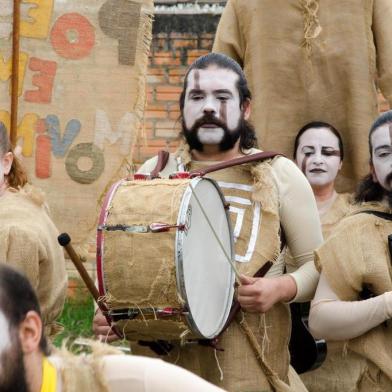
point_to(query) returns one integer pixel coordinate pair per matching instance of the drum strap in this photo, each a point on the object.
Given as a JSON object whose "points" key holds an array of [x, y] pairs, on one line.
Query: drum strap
{"points": [[163, 158]]}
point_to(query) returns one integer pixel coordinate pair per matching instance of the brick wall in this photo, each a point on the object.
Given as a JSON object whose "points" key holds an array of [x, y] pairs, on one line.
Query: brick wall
{"points": [[177, 41]]}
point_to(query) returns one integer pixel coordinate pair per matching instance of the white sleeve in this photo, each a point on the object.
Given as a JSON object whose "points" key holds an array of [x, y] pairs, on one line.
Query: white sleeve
{"points": [[333, 319], [126, 373], [301, 224]]}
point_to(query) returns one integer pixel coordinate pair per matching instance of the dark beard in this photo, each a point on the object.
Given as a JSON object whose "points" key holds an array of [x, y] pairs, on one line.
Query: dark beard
{"points": [[13, 373], [230, 138]]}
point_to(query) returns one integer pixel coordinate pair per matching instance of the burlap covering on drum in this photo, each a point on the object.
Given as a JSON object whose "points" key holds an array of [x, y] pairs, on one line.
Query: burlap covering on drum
{"points": [[139, 268], [82, 97], [312, 60], [358, 250]]}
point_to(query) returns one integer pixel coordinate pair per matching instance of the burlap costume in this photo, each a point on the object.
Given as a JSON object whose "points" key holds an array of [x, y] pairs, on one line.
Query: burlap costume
{"points": [[340, 370], [308, 60], [236, 368], [28, 241], [354, 255]]}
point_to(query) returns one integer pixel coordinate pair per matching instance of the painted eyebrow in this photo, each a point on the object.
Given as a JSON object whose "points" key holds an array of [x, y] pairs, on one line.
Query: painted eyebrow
{"points": [[223, 91], [196, 91], [308, 147], [383, 146]]}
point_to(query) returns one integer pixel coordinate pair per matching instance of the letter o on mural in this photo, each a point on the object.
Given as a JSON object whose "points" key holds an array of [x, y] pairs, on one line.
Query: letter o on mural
{"points": [[85, 150], [72, 36]]}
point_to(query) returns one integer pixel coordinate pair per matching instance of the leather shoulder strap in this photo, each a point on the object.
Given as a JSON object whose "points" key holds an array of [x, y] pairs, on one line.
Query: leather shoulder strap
{"points": [[260, 156], [163, 158]]}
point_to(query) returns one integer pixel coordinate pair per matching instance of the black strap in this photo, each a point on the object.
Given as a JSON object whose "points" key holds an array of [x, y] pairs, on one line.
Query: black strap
{"points": [[379, 214]]}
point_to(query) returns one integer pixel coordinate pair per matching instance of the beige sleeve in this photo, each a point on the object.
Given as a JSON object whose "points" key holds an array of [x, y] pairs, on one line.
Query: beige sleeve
{"points": [[382, 30], [229, 39], [21, 249], [333, 319], [126, 373], [301, 223]]}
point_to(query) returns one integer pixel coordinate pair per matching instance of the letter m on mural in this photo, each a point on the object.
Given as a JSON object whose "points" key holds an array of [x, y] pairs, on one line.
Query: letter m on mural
{"points": [[81, 97]]}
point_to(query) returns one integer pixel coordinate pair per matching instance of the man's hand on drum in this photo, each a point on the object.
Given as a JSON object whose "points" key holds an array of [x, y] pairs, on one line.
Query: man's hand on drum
{"points": [[102, 329], [260, 294]]}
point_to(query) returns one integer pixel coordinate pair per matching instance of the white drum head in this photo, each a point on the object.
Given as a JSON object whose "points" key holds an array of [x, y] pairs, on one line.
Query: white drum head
{"points": [[204, 275]]}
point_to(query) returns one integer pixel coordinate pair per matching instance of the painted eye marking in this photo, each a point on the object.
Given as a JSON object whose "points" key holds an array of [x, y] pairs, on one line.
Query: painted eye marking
{"points": [[304, 164], [197, 79], [330, 152], [223, 112], [307, 150]]}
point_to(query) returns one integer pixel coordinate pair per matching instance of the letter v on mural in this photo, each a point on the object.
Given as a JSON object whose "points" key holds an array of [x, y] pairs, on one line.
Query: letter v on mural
{"points": [[81, 96]]}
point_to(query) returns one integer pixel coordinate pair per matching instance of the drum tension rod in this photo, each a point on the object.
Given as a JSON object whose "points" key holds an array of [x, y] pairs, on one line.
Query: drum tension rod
{"points": [[155, 227], [131, 313]]}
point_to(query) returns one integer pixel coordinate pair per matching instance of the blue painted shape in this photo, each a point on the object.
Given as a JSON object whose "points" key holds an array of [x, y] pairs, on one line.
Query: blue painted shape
{"points": [[61, 145]]}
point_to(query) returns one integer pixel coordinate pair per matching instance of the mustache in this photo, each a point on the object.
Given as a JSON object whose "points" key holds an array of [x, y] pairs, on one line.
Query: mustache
{"points": [[209, 119]]}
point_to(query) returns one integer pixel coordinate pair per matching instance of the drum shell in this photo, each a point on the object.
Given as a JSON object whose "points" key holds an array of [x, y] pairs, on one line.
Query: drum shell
{"points": [[138, 269]]}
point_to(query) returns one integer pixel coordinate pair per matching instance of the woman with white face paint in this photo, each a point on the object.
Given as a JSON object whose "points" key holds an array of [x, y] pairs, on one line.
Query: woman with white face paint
{"points": [[353, 301], [318, 152], [28, 237]]}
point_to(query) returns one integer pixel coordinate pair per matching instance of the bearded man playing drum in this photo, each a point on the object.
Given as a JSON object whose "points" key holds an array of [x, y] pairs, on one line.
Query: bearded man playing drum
{"points": [[263, 196]]}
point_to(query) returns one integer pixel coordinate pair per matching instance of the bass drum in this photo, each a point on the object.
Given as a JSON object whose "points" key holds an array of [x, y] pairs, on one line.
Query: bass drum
{"points": [[162, 249]]}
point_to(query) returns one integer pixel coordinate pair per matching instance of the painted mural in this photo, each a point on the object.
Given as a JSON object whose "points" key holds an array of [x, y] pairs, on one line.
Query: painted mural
{"points": [[81, 97]]}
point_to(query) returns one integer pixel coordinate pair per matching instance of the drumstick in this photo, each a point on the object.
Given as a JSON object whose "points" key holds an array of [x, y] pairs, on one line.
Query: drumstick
{"points": [[65, 241], [228, 258]]}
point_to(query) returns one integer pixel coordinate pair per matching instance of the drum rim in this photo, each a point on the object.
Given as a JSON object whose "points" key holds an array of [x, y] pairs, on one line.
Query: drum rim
{"points": [[180, 278]]}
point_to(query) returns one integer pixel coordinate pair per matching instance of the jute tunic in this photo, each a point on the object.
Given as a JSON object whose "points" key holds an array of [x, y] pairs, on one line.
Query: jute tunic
{"points": [[253, 195], [355, 255], [340, 371], [312, 60], [28, 241]]}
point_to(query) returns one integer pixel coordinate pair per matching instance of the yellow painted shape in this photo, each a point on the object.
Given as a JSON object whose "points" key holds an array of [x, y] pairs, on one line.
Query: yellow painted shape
{"points": [[25, 130], [41, 16], [6, 69]]}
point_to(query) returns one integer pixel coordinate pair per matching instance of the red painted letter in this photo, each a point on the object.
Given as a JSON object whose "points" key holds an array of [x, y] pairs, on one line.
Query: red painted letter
{"points": [[72, 36], [44, 80]]}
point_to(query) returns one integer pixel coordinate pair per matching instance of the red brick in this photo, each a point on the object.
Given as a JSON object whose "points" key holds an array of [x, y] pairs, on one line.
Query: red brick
{"points": [[174, 115], [159, 114], [167, 97], [185, 43], [178, 71], [156, 71], [167, 61], [156, 79], [197, 53], [176, 79], [168, 88]]}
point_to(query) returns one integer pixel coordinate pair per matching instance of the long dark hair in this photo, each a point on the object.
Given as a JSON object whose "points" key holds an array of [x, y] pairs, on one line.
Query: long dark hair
{"points": [[17, 298], [17, 177], [248, 137]]}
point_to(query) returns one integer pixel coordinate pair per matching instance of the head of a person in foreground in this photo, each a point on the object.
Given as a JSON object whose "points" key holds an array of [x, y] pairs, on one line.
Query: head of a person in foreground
{"points": [[377, 185], [318, 152], [12, 173], [22, 341], [215, 105]]}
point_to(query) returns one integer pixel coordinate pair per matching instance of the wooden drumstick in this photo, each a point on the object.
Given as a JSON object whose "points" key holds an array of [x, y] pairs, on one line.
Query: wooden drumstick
{"points": [[65, 241]]}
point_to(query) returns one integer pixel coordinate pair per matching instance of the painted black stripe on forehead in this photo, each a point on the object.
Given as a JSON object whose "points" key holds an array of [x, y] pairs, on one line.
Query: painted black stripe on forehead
{"points": [[196, 76], [390, 133]]}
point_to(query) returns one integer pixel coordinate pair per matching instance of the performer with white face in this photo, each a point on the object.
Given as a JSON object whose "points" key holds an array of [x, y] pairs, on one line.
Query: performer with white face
{"points": [[382, 156], [319, 153], [354, 295], [264, 196]]}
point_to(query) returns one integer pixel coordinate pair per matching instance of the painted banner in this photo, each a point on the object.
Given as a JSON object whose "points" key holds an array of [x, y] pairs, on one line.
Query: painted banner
{"points": [[81, 97]]}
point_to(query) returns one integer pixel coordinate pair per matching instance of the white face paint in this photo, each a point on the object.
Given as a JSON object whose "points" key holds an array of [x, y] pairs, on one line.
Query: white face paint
{"points": [[318, 156], [5, 338], [382, 155], [212, 91]]}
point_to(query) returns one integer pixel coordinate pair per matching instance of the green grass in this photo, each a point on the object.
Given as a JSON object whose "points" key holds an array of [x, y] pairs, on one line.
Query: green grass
{"points": [[76, 318]]}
